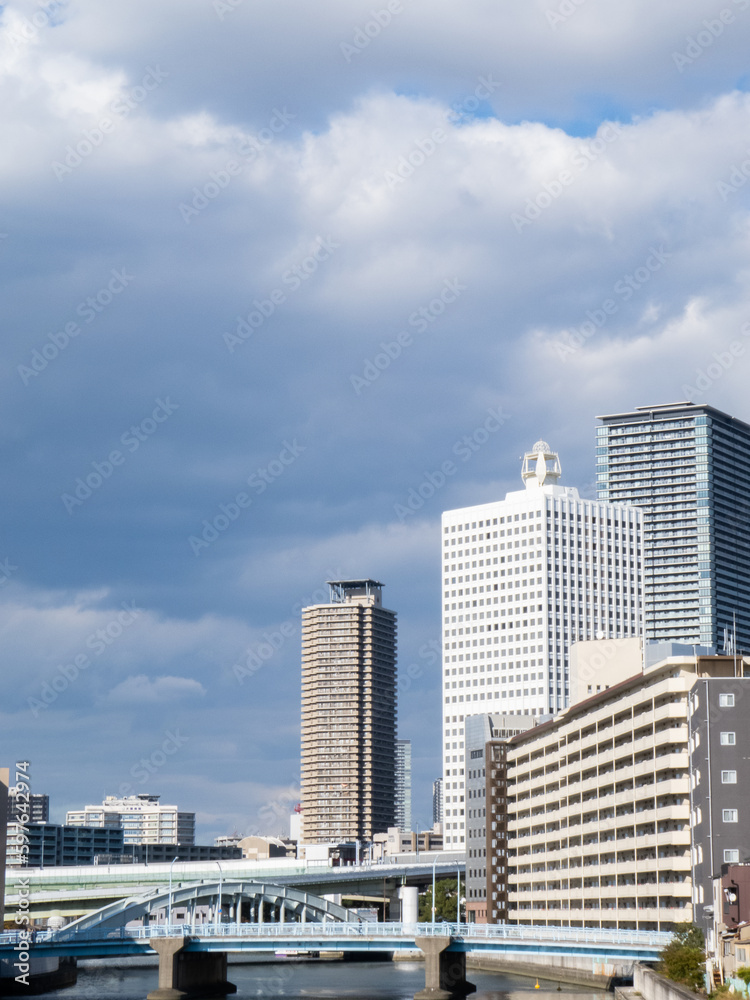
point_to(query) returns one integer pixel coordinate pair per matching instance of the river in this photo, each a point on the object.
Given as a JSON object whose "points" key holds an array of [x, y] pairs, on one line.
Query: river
{"points": [[321, 981]]}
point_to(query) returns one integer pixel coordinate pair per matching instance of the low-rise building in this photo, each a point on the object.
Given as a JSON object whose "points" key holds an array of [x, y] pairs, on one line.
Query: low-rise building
{"points": [[397, 841], [260, 848], [594, 818], [142, 818], [47, 845], [164, 853], [729, 942]]}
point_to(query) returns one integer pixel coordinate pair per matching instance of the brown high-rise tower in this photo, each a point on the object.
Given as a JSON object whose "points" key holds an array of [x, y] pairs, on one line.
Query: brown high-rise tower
{"points": [[348, 714]]}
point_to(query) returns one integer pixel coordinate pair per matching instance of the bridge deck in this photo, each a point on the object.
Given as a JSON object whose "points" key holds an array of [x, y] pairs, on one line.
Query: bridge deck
{"points": [[334, 936]]}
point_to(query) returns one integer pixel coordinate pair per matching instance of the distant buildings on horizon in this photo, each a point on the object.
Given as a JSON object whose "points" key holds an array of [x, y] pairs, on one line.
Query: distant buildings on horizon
{"points": [[142, 818], [403, 785]]}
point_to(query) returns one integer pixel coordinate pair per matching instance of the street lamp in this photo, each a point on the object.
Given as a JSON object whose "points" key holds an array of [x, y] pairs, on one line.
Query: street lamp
{"points": [[169, 909], [434, 863], [218, 908]]}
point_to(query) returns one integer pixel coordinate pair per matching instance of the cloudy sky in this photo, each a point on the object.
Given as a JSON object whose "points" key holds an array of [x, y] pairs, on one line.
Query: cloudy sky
{"points": [[265, 265]]}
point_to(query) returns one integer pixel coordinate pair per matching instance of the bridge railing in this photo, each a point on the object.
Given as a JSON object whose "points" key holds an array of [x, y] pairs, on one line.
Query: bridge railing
{"points": [[355, 929]]}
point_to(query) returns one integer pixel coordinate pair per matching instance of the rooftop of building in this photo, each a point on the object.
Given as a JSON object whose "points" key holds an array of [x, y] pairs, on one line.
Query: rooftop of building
{"points": [[673, 409], [713, 666]]}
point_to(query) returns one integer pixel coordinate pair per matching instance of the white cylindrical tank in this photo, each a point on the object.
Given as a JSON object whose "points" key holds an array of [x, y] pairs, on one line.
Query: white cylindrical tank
{"points": [[409, 896]]}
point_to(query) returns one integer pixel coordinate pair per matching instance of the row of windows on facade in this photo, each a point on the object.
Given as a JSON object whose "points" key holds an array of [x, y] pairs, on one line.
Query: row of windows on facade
{"points": [[616, 580], [589, 529], [616, 517], [561, 552]]}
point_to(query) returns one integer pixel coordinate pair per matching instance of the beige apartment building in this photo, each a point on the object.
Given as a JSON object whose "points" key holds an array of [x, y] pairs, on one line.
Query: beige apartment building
{"points": [[589, 815], [348, 715]]}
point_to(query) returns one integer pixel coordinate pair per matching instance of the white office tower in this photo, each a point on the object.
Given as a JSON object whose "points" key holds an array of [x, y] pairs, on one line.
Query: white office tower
{"points": [[523, 578]]}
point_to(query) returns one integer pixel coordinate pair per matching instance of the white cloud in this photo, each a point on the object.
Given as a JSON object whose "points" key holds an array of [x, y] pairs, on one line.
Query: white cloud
{"points": [[141, 690]]}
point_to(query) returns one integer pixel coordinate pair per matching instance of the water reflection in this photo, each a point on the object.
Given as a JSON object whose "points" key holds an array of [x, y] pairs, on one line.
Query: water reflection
{"points": [[322, 981]]}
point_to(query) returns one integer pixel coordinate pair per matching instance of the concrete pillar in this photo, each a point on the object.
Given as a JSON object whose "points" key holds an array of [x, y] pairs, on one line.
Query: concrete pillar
{"points": [[189, 974], [167, 950], [409, 895], [445, 971], [282, 913], [260, 910]]}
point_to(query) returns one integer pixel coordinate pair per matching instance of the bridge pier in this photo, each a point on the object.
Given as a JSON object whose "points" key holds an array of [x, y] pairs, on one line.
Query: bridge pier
{"points": [[445, 971], [184, 975]]}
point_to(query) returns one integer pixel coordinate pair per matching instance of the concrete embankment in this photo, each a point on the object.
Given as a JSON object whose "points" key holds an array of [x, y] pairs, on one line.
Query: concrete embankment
{"points": [[563, 969], [653, 986]]}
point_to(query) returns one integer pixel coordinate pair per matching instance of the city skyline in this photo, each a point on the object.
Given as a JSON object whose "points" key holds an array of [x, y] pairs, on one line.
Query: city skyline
{"points": [[282, 285]]}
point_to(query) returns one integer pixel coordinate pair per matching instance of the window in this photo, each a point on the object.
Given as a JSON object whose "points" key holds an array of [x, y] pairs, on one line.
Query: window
{"points": [[729, 777], [731, 857], [728, 739], [726, 701], [730, 815]]}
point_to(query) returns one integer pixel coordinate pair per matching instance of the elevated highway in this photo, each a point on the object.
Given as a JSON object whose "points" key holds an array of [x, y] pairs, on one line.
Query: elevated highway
{"points": [[72, 892]]}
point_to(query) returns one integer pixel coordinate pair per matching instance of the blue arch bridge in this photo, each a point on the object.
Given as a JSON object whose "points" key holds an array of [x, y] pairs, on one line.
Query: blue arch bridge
{"points": [[265, 917]]}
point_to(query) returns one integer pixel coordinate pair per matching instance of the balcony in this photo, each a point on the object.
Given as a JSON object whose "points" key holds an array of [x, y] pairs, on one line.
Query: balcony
{"points": [[673, 710], [677, 735], [680, 863]]}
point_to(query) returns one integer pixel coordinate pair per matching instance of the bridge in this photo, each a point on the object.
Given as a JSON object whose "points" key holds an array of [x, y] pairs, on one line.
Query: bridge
{"points": [[193, 954]]}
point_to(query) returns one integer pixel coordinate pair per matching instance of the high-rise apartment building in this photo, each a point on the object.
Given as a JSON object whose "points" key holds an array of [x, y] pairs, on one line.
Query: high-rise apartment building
{"points": [[348, 714], [688, 467], [523, 578], [437, 801], [403, 785], [142, 818]]}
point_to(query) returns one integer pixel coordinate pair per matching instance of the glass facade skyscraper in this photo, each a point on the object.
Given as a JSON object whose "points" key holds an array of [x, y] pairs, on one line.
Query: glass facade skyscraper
{"points": [[688, 467]]}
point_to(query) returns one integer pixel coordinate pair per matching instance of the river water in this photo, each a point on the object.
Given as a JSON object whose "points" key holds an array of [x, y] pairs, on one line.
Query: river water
{"points": [[322, 981]]}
